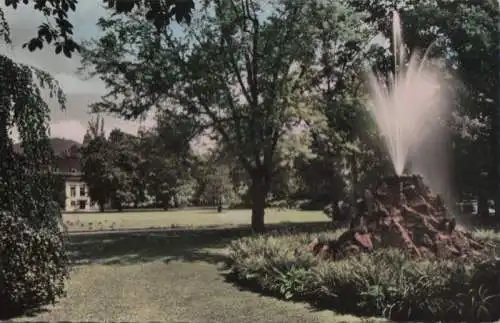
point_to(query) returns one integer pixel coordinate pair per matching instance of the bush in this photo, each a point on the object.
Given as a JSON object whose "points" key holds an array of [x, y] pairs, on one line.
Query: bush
{"points": [[384, 283], [33, 265], [312, 205]]}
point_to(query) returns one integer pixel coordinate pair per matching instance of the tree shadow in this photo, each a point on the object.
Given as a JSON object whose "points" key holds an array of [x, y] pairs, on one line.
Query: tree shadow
{"points": [[8, 314], [129, 247]]}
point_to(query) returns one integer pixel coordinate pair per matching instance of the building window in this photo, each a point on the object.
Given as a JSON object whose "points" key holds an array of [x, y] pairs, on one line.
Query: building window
{"points": [[82, 190], [73, 203], [72, 190]]}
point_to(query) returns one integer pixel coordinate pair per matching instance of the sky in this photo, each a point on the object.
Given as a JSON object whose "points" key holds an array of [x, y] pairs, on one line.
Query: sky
{"points": [[72, 122]]}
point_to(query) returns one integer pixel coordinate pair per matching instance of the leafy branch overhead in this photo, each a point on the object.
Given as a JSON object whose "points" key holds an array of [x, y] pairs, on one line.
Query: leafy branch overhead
{"points": [[58, 31]]}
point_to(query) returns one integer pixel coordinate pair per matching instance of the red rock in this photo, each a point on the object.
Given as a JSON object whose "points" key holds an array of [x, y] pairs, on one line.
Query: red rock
{"points": [[404, 214], [364, 240]]}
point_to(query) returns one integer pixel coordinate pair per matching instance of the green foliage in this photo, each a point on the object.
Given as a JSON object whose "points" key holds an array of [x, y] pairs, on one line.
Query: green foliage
{"points": [[32, 256], [167, 166], [58, 183], [124, 169], [214, 179], [96, 163], [33, 265], [386, 283], [126, 160], [59, 35]]}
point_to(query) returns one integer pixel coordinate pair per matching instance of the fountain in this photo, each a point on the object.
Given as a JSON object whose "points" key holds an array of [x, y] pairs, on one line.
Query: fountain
{"points": [[400, 211], [407, 103]]}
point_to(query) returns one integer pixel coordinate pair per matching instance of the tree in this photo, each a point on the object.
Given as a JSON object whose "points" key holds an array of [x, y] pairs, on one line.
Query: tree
{"points": [[124, 160], [29, 212], [113, 167], [342, 150], [168, 161], [159, 12], [137, 162], [216, 185], [237, 71], [96, 166]]}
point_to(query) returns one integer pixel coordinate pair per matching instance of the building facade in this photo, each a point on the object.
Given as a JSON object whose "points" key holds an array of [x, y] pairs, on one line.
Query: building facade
{"points": [[76, 193], [77, 197]]}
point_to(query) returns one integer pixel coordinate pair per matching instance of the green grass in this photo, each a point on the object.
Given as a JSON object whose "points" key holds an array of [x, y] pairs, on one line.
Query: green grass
{"points": [[167, 277], [182, 218]]}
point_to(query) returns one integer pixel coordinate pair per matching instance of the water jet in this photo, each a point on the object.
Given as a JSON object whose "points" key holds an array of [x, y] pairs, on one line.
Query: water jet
{"points": [[406, 103]]}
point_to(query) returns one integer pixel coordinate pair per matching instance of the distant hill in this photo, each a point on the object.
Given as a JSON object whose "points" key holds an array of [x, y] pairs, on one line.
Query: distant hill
{"points": [[59, 145]]}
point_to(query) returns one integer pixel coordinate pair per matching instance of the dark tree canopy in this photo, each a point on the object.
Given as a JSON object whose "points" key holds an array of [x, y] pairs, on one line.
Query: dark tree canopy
{"points": [[60, 34]]}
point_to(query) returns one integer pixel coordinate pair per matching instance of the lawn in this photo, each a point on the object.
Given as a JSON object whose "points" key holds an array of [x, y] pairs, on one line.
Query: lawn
{"points": [[169, 276], [180, 218], [172, 275]]}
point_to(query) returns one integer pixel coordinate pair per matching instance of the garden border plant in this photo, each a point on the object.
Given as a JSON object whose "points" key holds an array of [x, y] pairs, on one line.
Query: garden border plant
{"points": [[385, 283]]}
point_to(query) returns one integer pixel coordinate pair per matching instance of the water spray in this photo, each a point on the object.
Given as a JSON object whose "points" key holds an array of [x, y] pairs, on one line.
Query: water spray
{"points": [[406, 104]]}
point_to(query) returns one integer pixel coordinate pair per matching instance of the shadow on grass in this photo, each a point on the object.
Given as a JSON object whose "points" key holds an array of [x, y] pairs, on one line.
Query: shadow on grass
{"points": [[9, 314], [131, 247]]}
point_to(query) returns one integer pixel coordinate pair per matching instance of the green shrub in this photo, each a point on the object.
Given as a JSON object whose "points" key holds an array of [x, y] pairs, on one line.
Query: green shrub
{"points": [[385, 283], [33, 265], [312, 205]]}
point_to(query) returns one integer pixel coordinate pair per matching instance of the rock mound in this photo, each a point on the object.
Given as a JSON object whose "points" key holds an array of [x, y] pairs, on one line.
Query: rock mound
{"points": [[402, 213]]}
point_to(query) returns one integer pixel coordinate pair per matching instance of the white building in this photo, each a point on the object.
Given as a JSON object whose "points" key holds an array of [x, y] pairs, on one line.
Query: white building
{"points": [[75, 189], [77, 195]]}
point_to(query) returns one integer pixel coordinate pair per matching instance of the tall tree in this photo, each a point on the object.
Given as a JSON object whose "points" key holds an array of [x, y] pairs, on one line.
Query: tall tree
{"points": [[215, 180], [124, 161], [237, 71], [345, 47], [96, 166], [168, 160]]}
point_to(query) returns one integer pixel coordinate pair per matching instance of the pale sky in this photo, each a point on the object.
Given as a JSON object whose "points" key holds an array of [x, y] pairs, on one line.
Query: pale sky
{"points": [[72, 123]]}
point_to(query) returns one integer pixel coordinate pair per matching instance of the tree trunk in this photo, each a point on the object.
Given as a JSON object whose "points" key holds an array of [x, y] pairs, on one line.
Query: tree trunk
{"points": [[259, 192], [482, 199], [495, 134], [354, 191], [482, 206]]}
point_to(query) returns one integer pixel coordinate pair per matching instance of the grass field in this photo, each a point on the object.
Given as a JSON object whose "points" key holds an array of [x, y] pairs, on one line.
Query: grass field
{"points": [[181, 218], [170, 276]]}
